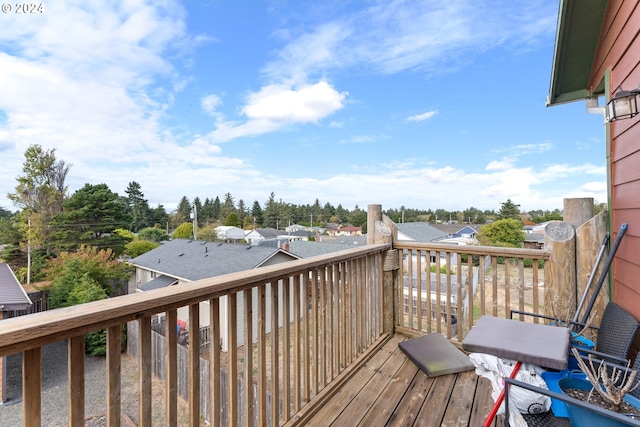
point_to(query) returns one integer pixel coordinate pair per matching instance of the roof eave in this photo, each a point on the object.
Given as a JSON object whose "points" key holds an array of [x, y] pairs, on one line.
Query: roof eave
{"points": [[577, 36]]}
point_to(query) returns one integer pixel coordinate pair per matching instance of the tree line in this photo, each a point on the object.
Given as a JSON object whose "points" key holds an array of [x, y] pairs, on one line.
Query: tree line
{"points": [[50, 221]]}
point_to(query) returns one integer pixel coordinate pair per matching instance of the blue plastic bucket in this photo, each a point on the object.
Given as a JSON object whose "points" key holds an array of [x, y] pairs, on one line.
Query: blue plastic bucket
{"points": [[552, 378], [580, 342]]}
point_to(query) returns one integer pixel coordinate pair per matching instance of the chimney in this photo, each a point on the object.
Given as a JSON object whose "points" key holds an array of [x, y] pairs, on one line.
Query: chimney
{"points": [[285, 246]]}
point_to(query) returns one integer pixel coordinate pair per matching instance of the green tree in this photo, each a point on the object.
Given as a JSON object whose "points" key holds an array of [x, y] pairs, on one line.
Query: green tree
{"points": [[503, 232], [138, 207], [89, 218], [207, 233], [509, 209], [228, 206], [257, 213], [197, 207], [40, 192], [87, 263], [158, 217], [153, 234], [139, 247], [183, 231], [183, 213], [271, 212], [231, 220]]}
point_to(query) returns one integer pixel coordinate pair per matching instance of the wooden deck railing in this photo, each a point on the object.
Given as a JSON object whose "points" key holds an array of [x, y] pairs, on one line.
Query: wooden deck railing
{"points": [[314, 318], [445, 288]]}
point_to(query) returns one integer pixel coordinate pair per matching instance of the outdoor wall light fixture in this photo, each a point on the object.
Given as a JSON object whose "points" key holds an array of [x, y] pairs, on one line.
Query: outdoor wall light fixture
{"points": [[623, 105]]}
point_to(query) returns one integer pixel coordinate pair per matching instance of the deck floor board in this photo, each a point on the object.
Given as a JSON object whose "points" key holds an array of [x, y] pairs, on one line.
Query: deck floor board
{"points": [[389, 390]]}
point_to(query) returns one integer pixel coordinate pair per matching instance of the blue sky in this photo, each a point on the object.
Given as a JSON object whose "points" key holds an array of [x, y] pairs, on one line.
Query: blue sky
{"points": [[423, 104]]}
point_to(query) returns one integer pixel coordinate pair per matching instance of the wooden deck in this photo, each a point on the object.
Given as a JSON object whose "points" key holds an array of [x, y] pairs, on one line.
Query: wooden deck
{"points": [[389, 390]]}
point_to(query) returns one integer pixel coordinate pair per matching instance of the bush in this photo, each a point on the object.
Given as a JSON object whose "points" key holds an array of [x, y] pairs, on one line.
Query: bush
{"points": [[153, 234], [139, 247]]}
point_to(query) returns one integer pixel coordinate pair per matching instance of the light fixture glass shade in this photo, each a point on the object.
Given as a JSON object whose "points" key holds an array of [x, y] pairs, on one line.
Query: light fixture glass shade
{"points": [[623, 105]]}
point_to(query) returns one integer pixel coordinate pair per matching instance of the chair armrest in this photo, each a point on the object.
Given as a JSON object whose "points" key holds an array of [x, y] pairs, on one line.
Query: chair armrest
{"points": [[615, 361], [563, 397], [542, 316]]}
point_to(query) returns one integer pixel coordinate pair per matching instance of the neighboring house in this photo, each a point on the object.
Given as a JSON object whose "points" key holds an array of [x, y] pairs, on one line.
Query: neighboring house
{"points": [[181, 261], [534, 241], [460, 234], [597, 52], [425, 233], [349, 230], [229, 233], [419, 232], [12, 297], [256, 235]]}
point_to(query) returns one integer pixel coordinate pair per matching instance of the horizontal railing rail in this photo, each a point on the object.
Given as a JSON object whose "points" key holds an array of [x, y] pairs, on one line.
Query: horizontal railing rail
{"points": [[444, 288], [292, 329]]}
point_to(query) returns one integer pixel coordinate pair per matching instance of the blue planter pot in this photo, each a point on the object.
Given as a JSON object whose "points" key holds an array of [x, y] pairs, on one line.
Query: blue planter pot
{"points": [[581, 417]]}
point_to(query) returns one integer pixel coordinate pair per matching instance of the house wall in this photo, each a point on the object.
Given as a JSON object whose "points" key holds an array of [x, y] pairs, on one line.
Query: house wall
{"points": [[619, 52]]}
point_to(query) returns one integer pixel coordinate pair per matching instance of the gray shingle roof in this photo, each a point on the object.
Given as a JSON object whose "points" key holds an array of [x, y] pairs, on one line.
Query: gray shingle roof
{"points": [[159, 282], [12, 294], [198, 259], [421, 231]]}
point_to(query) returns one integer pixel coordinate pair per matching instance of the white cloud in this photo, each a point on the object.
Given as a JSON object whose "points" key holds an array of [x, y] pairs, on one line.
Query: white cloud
{"points": [[210, 104], [422, 117], [276, 106]]}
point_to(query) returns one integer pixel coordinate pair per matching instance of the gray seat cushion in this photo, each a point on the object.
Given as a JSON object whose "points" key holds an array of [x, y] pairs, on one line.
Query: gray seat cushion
{"points": [[541, 345], [435, 355]]}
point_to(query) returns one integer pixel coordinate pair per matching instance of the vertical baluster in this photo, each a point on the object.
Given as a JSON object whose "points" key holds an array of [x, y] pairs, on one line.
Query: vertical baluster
{"points": [[448, 294], [297, 372], [419, 286], [171, 363], [507, 285], [214, 363], [469, 291], [494, 279], [438, 291], [144, 363], [521, 287], [536, 295], [114, 368], [194, 365], [315, 350], [275, 367], [459, 298], [75, 352], [262, 357], [286, 348], [32, 387], [248, 357], [306, 363], [481, 284], [232, 359]]}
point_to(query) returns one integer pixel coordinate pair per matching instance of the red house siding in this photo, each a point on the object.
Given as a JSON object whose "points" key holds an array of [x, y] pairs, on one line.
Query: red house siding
{"points": [[619, 52]]}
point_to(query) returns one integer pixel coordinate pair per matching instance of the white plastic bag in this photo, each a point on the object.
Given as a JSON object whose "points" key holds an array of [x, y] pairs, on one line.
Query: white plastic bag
{"points": [[496, 370]]}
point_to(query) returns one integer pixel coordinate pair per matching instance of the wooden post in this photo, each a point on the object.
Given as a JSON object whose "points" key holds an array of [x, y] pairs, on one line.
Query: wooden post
{"points": [[578, 211], [560, 270], [380, 229]]}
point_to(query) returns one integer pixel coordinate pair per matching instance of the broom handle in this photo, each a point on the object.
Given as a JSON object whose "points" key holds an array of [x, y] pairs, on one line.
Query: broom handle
{"points": [[605, 270]]}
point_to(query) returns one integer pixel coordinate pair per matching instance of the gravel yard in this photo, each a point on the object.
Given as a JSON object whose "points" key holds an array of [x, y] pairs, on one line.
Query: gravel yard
{"points": [[55, 400]]}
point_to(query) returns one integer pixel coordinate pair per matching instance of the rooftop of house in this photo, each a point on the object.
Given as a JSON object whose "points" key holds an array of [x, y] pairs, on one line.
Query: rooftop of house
{"points": [[12, 294], [451, 229], [200, 259], [419, 232]]}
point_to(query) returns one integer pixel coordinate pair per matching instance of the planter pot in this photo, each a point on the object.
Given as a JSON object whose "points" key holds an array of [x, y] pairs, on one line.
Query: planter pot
{"points": [[552, 378], [582, 417]]}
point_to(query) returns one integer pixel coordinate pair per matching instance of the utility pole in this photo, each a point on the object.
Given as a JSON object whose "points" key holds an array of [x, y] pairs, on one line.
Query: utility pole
{"points": [[29, 251], [195, 222]]}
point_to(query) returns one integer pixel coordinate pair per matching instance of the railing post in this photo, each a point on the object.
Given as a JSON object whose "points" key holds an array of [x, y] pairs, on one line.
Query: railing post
{"points": [[381, 229], [560, 271]]}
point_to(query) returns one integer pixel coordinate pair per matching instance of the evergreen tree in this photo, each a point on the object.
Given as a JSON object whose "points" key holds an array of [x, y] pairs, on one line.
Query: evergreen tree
{"points": [[89, 218], [183, 213], [228, 207], [509, 209], [271, 212], [215, 211], [256, 213], [138, 207]]}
